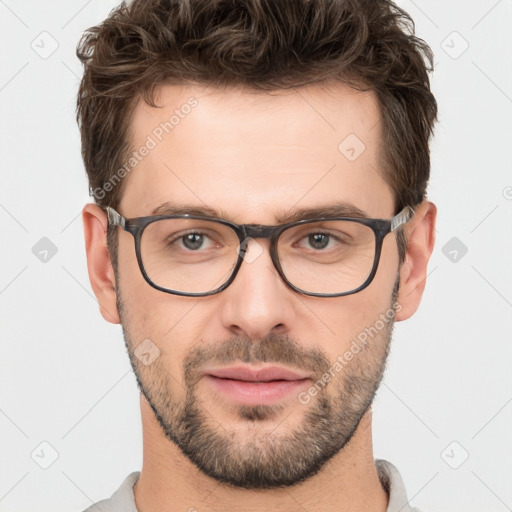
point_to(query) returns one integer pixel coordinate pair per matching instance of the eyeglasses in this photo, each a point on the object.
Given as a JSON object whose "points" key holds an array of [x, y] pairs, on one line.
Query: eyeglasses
{"points": [[196, 256]]}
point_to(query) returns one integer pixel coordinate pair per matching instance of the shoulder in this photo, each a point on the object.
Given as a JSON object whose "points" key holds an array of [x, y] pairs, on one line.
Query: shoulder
{"points": [[393, 484], [122, 500]]}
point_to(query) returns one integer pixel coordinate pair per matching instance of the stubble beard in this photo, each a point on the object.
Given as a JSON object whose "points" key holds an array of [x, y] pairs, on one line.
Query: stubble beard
{"points": [[268, 458]]}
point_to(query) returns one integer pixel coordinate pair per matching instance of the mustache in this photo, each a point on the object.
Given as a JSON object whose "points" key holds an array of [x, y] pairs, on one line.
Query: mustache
{"points": [[274, 348]]}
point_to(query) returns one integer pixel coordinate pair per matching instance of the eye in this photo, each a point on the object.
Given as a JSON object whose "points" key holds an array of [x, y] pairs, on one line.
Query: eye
{"points": [[319, 240], [192, 241]]}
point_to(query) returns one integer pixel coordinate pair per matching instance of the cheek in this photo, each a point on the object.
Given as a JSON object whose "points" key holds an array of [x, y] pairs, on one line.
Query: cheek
{"points": [[165, 319], [387, 270], [346, 317], [169, 322], [142, 300], [129, 272]]}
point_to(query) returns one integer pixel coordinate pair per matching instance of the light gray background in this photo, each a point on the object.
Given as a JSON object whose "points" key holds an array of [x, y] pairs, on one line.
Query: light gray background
{"points": [[65, 376]]}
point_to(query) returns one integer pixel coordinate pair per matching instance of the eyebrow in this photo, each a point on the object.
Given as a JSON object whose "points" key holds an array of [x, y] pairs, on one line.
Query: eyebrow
{"points": [[284, 217]]}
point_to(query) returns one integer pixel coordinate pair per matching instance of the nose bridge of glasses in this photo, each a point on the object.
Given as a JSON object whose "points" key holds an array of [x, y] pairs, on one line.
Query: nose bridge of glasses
{"points": [[258, 231], [254, 231]]}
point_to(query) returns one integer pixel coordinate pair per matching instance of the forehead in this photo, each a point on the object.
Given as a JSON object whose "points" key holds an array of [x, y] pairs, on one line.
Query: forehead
{"points": [[256, 155]]}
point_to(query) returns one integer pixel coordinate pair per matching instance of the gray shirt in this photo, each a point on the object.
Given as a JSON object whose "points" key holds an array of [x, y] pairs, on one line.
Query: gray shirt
{"points": [[123, 499]]}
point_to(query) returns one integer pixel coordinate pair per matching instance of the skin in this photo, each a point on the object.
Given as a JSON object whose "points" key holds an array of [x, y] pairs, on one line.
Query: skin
{"points": [[255, 157]]}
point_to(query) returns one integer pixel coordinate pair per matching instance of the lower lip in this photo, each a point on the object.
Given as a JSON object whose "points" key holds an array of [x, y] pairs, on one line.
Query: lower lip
{"points": [[256, 393]]}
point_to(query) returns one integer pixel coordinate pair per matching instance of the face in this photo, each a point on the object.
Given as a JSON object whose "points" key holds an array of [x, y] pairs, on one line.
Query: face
{"points": [[240, 383]]}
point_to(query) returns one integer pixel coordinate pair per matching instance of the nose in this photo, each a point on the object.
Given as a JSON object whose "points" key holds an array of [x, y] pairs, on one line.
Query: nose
{"points": [[258, 302]]}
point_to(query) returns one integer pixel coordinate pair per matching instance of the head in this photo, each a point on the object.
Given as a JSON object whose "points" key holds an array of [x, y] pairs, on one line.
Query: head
{"points": [[257, 112]]}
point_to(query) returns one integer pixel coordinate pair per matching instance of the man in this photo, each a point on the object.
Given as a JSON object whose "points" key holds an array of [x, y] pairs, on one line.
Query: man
{"points": [[259, 172]]}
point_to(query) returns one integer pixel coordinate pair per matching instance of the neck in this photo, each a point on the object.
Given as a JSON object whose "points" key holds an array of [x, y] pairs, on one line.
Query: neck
{"points": [[170, 482]]}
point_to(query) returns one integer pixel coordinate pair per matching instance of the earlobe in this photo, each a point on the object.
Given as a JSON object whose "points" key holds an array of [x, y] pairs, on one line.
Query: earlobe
{"points": [[420, 233], [101, 273]]}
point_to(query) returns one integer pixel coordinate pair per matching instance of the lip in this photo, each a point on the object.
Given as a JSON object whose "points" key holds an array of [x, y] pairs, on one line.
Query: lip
{"points": [[250, 386], [249, 374]]}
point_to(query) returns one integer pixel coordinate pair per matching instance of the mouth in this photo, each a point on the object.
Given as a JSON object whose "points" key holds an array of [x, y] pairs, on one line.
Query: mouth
{"points": [[247, 385]]}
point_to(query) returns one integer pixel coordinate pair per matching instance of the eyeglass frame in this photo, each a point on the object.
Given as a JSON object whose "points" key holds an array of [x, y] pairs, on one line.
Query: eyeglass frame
{"points": [[380, 227]]}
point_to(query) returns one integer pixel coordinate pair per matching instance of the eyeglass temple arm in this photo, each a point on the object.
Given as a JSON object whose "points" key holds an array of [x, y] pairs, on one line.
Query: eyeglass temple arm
{"points": [[115, 218], [401, 218]]}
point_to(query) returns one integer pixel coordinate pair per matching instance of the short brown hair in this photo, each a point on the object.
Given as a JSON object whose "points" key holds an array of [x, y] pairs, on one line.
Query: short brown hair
{"points": [[261, 45]]}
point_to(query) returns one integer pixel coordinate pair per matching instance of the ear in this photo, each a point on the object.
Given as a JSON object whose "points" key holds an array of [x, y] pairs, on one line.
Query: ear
{"points": [[420, 233], [101, 273]]}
